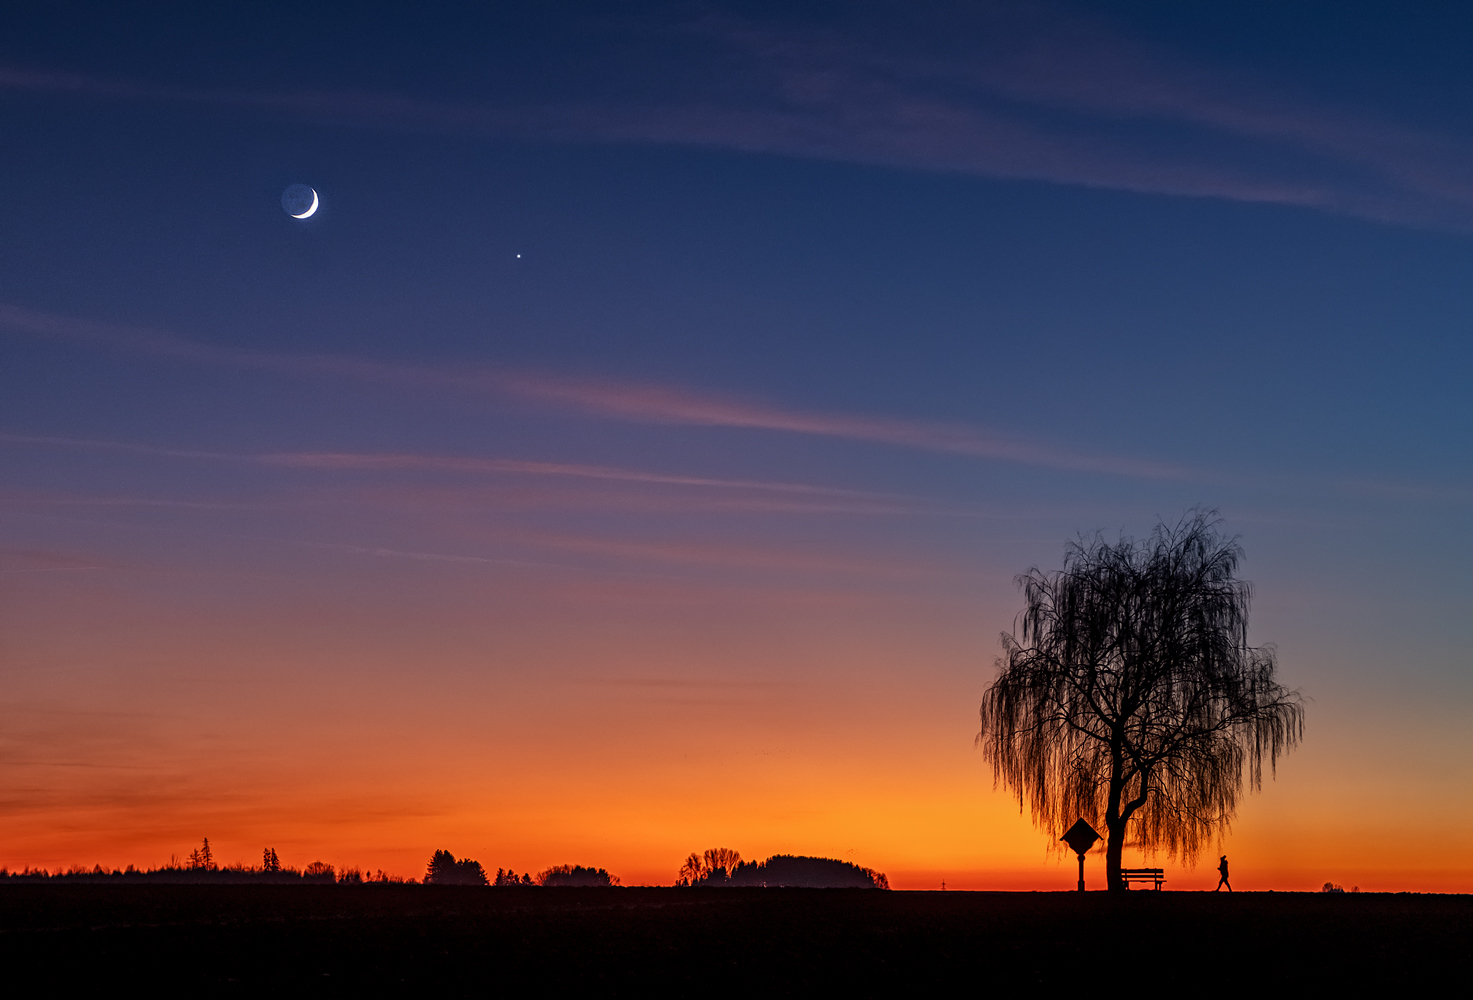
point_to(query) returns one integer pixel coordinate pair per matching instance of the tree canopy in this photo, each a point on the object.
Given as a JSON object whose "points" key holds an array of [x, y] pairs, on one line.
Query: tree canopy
{"points": [[703, 867], [445, 869], [575, 875], [723, 867], [1130, 692]]}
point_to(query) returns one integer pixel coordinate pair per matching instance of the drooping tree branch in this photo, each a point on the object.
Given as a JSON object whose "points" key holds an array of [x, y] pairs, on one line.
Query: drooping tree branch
{"points": [[1130, 691]]}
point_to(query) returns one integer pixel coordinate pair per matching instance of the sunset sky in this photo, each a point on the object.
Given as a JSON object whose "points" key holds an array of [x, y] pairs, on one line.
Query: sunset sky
{"points": [[635, 452]]}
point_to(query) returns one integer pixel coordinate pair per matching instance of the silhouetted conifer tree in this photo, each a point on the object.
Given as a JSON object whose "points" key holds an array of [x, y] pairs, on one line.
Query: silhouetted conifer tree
{"points": [[444, 869], [201, 858]]}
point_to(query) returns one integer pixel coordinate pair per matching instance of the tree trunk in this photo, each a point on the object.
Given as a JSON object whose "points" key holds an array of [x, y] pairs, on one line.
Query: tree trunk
{"points": [[1115, 827], [1114, 848]]}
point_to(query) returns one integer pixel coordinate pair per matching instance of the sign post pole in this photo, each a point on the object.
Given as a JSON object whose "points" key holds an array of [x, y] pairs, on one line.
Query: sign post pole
{"points": [[1080, 838]]}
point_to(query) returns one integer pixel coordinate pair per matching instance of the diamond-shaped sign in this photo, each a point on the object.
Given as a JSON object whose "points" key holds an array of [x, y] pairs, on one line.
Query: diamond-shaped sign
{"points": [[1080, 838]]}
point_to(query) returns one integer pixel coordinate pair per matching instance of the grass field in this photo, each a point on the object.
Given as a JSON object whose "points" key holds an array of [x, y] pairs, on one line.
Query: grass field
{"points": [[339, 940]]}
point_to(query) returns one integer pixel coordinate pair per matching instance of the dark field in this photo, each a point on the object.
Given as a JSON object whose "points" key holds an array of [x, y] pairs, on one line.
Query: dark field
{"points": [[331, 940]]}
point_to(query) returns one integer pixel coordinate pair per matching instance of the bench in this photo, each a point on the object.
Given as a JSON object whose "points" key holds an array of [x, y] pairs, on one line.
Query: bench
{"points": [[1156, 875]]}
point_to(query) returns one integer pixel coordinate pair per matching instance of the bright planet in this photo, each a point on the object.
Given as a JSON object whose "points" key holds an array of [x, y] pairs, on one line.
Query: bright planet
{"points": [[299, 201]]}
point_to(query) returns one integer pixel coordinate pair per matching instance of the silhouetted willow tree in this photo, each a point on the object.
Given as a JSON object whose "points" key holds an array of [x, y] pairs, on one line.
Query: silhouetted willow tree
{"points": [[1131, 692]]}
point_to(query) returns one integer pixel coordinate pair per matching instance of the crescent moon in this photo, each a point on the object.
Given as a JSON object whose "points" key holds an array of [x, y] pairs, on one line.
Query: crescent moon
{"points": [[308, 214]]}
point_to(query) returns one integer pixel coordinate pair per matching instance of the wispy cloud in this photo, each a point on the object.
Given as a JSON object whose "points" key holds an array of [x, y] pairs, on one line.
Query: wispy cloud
{"points": [[483, 542], [741, 556], [600, 555], [655, 403], [1046, 92], [1003, 90], [671, 493], [463, 464], [45, 561], [611, 399], [376, 462], [417, 556]]}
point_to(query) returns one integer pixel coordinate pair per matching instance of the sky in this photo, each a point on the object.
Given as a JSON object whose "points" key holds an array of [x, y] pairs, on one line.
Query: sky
{"points": [[636, 451]]}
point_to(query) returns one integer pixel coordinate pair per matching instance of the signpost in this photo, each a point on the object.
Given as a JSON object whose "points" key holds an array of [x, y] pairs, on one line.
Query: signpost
{"points": [[1080, 838]]}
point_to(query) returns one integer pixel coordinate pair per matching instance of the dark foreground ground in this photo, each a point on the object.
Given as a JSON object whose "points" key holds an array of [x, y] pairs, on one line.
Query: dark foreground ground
{"points": [[412, 940]]}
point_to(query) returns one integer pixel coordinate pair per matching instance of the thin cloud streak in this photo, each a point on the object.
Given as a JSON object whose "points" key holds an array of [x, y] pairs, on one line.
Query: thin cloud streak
{"points": [[713, 495], [625, 553], [806, 497], [544, 498], [664, 404], [46, 561], [582, 554], [503, 500], [734, 556], [634, 402], [357, 461], [1043, 92], [381, 552], [397, 462]]}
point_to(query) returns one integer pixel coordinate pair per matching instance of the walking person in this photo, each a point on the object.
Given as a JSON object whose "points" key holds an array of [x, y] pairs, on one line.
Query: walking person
{"points": [[1222, 872]]}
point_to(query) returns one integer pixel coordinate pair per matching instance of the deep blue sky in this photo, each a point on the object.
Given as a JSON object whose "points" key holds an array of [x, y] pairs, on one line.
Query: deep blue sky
{"points": [[1022, 270], [1271, 335]]}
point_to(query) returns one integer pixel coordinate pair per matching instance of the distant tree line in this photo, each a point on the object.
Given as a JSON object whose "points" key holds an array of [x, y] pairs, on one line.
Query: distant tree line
{"points": [[718, 866], [445, 869], [723, 867], [199, 866]]}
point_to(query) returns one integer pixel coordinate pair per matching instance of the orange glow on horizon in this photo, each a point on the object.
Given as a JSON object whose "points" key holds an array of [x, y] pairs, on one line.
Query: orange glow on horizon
{"points": [[526, 709]]}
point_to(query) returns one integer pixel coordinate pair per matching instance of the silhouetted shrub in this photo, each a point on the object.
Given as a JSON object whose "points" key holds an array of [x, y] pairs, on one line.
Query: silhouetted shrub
{"points": [[318, 871], [566, 875], [384, 877], [445, 870]]}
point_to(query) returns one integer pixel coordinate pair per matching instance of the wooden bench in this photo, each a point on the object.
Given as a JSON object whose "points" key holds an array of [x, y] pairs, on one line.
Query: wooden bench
{"points": [[1156, 875]]}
